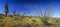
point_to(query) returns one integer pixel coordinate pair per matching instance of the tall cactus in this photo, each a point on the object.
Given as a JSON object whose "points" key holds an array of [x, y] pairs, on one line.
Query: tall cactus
{"points": [[14, 12], [6, 9]]}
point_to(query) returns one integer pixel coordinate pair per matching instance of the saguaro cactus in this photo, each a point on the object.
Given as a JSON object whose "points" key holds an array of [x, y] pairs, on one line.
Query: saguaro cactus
{"points": [[14, 12], [6, 9]]}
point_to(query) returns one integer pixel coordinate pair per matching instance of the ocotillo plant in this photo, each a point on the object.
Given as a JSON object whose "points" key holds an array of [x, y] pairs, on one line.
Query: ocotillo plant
{"points": [[45, 14], [6, 9]]}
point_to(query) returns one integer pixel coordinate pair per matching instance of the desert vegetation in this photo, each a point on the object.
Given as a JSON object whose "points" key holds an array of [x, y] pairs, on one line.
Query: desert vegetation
{"points": [[43, 19]]}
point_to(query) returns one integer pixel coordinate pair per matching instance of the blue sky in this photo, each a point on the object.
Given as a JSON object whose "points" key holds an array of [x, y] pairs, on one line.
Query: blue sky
{"points": [[29, 6]]}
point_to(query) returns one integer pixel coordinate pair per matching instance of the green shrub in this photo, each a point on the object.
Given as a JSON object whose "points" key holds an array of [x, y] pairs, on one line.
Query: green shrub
{"points": [[0, 17]]}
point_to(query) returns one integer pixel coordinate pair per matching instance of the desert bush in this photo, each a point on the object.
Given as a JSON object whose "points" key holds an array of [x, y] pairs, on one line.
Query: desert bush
{"points": [[35, 22], [11, 16], [0, 17], [19, 25]]}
